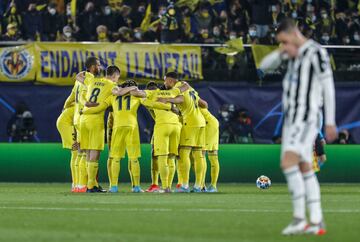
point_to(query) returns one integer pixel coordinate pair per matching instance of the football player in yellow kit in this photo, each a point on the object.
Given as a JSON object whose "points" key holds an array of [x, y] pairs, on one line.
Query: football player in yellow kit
{"points": [[154, 187], [92, 125], [192, 139], [66, 129], [125, 131], [211, 147]]}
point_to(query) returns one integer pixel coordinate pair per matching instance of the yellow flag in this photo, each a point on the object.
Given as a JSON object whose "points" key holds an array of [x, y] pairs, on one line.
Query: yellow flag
{"points": [[260, 51], [147, 19], [73, 8], [233, 47]]}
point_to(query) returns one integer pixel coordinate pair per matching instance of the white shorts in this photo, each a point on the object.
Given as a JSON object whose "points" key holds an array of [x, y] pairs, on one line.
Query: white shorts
{"points": [[299, 138]]}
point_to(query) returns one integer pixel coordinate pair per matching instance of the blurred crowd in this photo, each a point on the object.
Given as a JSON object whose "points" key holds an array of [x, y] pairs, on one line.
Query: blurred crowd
{"points": [[196, 21]]}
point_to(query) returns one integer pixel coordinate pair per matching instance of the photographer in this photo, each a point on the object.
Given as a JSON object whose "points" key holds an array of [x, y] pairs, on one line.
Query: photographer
{"points": [[21, 127]]}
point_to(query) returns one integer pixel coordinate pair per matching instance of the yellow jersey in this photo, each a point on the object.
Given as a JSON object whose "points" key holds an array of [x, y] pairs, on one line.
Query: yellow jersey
{"points": [[163, 116], [98, 90], [209, 118], [190, 110]]}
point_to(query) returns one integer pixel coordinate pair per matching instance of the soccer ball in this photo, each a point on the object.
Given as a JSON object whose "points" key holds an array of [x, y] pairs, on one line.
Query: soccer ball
{"points": [[263, 182]]}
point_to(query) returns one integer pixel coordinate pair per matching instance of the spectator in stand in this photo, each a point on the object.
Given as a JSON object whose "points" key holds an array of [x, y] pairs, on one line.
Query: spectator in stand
{"points": [[33, 24], [88, 20], [13, 16], [253, 35], [138, 15], [12, 33], [355, 40], [261, 16], [325, 25], [138, 35], [52, 22], [102, 33], [277, 15], [238, 17], [125, 35], [67, 35], [218, 34], [112, 20], [203, 19], [170, 28]]}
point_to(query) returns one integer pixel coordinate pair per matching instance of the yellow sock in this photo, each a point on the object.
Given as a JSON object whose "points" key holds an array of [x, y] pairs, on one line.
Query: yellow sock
{"points": [[203, 182], [215, 168], [184, 165], [83, 178], [199, 167], [77, 169], [73, 168], [109, 168], [135, 171], [179, 173], [115, 171], [164, 170], [130, 173], [172, 169], [154, 171], [93, 167]]}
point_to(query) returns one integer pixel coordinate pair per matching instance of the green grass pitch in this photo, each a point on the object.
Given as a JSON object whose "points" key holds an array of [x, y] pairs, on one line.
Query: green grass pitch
{"points": [[241, 212]]}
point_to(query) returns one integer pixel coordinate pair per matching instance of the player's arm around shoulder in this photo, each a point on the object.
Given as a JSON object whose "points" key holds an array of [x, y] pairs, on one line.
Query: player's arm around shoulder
{"points": [[90, 109]]}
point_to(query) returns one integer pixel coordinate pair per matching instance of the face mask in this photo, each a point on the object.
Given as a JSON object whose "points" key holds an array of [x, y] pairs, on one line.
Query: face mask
{"points": [[347, 41], [252, 33], [13, 10], [107, 10], [68, 11], [216, 32], [172, 12], [309, 1], [67, 34], [162, 12], [11, 32], [325, 38], [273, 8], [52, 11], [205, 14], [272, 35], [205, 35], [324, 15], [294, 14], [224, 114], [102, 35], [141, 9], [356, 37], [232, 36], [313, 18], [137, 35]]}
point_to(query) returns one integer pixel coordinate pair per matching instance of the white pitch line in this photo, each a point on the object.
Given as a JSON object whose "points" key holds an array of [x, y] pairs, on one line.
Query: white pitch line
{"points": [[206, 210]]}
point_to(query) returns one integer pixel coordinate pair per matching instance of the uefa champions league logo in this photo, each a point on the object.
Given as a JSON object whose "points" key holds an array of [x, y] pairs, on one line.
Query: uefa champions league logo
{"points": [[15, 63]]}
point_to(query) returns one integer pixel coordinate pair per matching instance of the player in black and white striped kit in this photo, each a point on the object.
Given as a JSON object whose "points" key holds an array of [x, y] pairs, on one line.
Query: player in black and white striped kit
{"points": [[307, 86]]}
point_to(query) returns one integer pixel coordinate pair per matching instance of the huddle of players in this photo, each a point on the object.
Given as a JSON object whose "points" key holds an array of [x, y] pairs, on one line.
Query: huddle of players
{"points": [[184, 131]]}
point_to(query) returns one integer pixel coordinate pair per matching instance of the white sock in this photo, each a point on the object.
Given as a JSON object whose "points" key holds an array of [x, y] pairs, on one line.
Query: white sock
{"points": [[296, 187], [312, 189]]}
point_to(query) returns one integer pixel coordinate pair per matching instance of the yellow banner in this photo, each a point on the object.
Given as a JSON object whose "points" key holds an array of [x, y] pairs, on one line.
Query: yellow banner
{"points": [[17, 63], [260, 51], [59, 62]]}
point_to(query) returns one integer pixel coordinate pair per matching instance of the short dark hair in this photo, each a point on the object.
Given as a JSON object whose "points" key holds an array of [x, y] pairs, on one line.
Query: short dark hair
{"points": [[286, 25], [151, 85], [90, 61], [111, 70], [129, 83], [172, 74]]}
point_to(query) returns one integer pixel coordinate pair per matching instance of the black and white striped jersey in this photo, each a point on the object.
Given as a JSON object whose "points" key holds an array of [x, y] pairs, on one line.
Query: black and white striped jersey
{"points": [[308, 85]]}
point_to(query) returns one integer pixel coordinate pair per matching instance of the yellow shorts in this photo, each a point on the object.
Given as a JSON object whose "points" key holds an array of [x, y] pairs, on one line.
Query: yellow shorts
{"points": [[92, 136], [192, 136], [125, 138], [211, 138], [166, 139], [77, 132], [66, 130]]}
